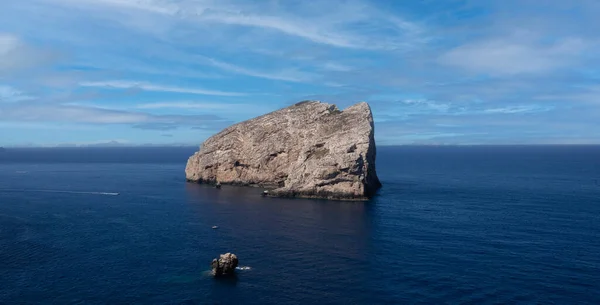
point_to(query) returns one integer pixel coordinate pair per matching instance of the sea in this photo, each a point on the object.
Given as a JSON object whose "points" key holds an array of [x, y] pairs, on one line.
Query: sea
{"points": [[451, 225]]}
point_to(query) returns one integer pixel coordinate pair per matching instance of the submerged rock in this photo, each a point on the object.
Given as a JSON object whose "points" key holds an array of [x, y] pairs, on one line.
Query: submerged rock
{"points": [[310, 149], [224, 265]]}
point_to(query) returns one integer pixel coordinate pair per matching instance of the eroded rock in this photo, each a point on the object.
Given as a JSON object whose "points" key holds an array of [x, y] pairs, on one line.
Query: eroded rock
{"points": [[224, 265], [310, 149]]}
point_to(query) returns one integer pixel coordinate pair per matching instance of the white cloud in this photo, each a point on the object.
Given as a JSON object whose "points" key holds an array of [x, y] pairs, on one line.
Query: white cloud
{"points": [[10, 94], [580, 94], [285, 75], [514, 56], [8, 43], [345, 24], [427, 103], [234, 111], [338, 67], [159, 7], [160, 45], [306, 31], [518, 109], [15, 55], [71, 114], [122, 84], [36, 112], [348, 24], [188, 105]]}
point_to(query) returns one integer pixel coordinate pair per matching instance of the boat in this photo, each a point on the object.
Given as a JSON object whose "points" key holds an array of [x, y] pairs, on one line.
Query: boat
{"points": [[215, 227]]}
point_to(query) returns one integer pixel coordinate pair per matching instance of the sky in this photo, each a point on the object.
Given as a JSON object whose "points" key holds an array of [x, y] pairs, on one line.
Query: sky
{"points": [[174, 72]]}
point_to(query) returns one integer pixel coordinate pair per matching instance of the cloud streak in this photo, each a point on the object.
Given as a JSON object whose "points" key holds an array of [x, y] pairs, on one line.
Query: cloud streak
{"points": [[123, 84], [518, 109], [511, 57], [458, 71], [39, 112], [332, 23], [289, 75], [9, 94], [16, 56]]}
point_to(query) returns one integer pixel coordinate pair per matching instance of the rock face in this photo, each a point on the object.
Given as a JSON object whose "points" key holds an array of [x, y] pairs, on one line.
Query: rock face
{"points": [[225, 265], [310, 150]]}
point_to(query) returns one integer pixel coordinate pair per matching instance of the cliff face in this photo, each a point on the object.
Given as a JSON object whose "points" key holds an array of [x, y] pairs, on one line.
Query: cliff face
{"points": [[310, 150]]}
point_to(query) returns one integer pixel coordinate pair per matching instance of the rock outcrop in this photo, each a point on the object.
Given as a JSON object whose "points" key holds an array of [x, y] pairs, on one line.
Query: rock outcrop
{"points": [[310, 150], [224, 265]]}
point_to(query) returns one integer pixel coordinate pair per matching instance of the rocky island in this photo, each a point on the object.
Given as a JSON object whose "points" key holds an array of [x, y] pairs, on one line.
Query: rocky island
{"points": [[309, 150], [224, 265]]}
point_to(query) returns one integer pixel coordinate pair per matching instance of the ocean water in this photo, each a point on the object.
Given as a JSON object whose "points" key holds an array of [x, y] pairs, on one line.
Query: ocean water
{"points": [[451, 225]]}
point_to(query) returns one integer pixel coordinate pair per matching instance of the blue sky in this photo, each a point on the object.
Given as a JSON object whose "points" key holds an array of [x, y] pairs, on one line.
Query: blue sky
{"points": [[85, 72]]}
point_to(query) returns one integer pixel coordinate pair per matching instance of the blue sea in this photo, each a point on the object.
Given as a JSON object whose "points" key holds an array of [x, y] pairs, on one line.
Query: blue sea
{"points": [[451, 225]]}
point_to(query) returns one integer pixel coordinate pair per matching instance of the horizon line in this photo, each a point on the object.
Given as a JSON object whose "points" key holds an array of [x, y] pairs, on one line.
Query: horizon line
{"points": [[196, 146]]}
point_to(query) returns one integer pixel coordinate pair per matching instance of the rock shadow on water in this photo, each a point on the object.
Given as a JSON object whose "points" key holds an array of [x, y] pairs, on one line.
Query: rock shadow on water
{"points": [[283, 225], [229, 280]]}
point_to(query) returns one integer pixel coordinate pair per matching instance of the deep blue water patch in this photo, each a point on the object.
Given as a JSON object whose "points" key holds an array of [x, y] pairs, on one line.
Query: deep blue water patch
{"points": [[480, 225]]}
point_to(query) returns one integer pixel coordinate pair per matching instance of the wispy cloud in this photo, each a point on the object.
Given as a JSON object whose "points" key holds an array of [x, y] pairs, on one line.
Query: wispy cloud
{"points": [[122, 84], [344, 24], [184, 105], [10, 94], [39, 112], [333, 66], [192, 105], [290, 75], [427, 103], [233, 111], [518, 109], [8, 43], [510, 56], [157, 126], [438, 72], [15, 55], [589, 95], [286, 26], [339, 28], [160, 7]]}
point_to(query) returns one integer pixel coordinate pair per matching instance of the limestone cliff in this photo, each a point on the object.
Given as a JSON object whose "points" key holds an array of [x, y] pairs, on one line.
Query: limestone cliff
{"points": [[310, 150]]}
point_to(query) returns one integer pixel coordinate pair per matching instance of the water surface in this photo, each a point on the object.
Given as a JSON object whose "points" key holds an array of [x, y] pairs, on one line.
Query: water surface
{"points": [[480, 225]]}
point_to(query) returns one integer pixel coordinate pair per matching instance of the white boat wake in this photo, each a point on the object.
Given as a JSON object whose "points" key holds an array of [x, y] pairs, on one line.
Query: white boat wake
{"points": [[61, 191], [243, 268]]}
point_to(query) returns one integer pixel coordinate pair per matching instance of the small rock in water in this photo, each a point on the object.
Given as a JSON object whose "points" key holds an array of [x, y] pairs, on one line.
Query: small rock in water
{"points": [[225, 265]]}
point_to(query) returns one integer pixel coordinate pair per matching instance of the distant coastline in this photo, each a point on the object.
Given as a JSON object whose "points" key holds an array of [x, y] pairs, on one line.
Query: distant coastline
{"points": [[195, 146]]}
